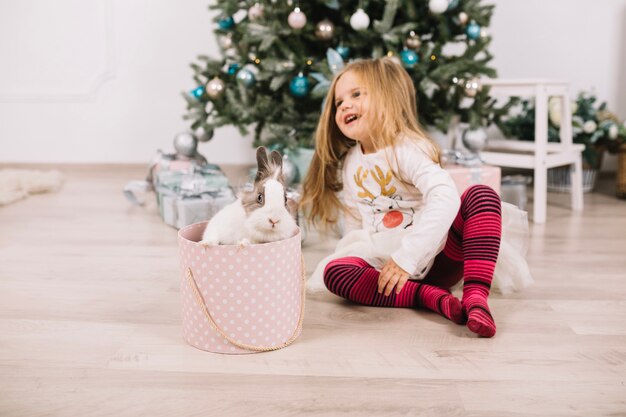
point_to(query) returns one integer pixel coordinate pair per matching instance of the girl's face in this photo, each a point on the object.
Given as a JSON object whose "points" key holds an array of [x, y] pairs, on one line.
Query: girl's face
{"points": [[352, 103]]}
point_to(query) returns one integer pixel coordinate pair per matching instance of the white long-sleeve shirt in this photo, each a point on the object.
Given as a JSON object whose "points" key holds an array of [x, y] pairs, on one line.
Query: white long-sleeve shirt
{"points": [[409, 221], [415, 214]]}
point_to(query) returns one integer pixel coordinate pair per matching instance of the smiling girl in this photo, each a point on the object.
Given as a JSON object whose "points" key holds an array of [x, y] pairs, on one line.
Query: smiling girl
{"points": [[408, 237]]}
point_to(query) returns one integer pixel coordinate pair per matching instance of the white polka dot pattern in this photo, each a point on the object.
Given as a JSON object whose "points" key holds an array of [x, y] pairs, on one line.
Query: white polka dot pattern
{"points": [[254, 293]]}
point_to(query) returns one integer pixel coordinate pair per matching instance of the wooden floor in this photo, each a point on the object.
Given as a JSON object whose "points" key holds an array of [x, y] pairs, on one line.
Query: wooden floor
{"points": [[90, 325]]}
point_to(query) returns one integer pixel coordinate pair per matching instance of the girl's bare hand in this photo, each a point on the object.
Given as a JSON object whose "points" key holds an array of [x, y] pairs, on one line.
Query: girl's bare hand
{"points": [[391, 276]]}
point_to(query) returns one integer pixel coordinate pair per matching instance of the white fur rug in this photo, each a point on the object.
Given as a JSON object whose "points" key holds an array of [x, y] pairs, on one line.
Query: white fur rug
{"points": [[16, 184]]}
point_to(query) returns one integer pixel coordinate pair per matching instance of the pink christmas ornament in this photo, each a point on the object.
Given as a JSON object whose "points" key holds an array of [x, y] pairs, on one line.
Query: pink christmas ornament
{"points": [[296, 19]]}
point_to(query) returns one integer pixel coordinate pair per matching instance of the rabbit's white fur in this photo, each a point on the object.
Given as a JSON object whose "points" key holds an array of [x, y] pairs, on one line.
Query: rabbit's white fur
{"points": [[249, 220], [227, 227]]}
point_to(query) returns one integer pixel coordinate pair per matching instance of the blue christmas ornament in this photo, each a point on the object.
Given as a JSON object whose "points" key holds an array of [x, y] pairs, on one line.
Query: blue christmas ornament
{"points": [[473, 30], [409, 58], [232, 69], [226, 23], [299, 86], [197, 92], [246, 77], [344, 51]]}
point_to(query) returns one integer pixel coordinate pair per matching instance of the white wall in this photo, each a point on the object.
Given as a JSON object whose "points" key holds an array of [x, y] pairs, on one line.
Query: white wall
{"points": [[100, 81]]}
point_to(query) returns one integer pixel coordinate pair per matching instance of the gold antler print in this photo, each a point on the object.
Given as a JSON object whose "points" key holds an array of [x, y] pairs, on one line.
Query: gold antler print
{"points": [[358, 179], [383, 180]]}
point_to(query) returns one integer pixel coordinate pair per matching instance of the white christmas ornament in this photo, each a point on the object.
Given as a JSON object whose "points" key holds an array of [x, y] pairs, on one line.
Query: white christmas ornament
{"points": [[225, 41], [463, 18], [360, 20], [438, 6], [239, 15], [590, 126], [613, 131], [296, 19]]}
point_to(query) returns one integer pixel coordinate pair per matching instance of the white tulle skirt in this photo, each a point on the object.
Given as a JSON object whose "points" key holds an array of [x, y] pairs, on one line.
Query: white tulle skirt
{"points": [[511, 273]]}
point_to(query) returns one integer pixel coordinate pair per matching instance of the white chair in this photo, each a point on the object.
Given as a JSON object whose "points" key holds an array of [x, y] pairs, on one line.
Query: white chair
{"points": [[539, 155]]}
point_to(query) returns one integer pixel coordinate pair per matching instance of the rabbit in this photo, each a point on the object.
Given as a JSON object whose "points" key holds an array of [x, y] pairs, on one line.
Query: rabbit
{"points": [[258, 216]]}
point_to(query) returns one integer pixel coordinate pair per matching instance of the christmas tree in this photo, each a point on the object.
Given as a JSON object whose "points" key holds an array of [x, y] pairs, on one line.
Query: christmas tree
{"points": [[279, 57]]}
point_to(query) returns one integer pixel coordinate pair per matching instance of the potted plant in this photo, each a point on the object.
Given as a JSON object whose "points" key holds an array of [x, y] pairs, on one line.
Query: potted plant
{"points": [[593, 125]]}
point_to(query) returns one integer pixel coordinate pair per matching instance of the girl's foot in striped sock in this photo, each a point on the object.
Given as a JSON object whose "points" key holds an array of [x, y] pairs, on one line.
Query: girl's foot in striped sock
{"points": [[479, 318], [438, 300], [354, 279]]}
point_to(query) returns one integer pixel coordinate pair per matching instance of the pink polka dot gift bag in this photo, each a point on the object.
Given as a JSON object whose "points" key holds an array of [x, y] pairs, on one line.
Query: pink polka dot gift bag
{"points": [[240, 299]]}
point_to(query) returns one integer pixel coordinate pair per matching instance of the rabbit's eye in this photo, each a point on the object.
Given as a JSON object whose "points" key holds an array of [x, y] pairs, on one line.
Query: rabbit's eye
{"points": [[259, 199]]}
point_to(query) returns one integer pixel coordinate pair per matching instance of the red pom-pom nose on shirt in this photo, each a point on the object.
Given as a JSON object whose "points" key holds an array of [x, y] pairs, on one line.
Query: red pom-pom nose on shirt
{"points": [[392, 219]]}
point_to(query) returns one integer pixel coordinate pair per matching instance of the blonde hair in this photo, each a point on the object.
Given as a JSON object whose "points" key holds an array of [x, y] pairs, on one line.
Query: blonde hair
{"points": [[391, 93]]}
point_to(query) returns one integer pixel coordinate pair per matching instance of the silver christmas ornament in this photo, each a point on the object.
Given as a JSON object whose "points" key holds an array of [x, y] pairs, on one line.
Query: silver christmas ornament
{"points": [[413, 41], [474, 140], [203, 135], [186, 144], [325, 30], [290, 171], [215, 88]]}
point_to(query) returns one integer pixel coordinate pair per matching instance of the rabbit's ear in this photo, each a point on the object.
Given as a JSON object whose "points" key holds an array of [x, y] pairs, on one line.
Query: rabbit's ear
{"points": [[262, 163], [277, 159]]}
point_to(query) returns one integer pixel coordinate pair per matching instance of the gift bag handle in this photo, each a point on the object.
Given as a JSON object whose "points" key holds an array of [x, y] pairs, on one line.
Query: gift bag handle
{"points": [[200, 300]]}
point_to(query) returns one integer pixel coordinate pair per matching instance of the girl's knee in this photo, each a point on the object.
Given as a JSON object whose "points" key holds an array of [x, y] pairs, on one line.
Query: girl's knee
{"points": [[338, 268], [479, 190], [480, 198]]}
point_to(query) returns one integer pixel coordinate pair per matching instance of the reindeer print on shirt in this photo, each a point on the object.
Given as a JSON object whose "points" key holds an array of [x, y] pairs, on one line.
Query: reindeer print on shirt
{"points": [[378, 192]]}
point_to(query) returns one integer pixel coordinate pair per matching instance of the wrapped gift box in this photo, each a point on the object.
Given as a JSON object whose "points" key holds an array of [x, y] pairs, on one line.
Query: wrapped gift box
{"points": [[465, 176], [185, 198]]}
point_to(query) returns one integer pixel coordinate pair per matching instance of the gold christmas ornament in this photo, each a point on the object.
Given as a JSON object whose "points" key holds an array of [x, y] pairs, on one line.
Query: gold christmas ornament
{"points": [[325, 30], [413, 41], [215, 88], [463, 18], [471, 87]]}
